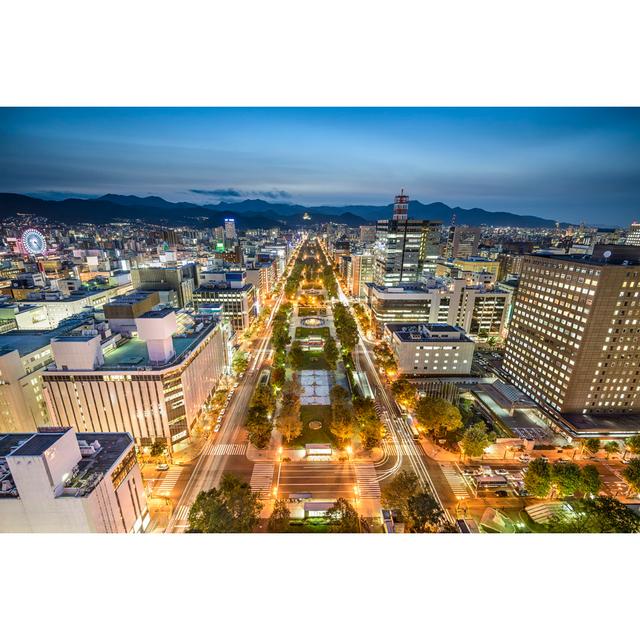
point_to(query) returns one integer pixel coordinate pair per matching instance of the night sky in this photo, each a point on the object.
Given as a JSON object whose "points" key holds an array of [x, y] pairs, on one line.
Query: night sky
{"points": [[561, 163]]}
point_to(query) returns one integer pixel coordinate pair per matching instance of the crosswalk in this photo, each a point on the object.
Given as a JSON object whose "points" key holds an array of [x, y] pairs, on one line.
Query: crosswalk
{"points": [[367, 480], [455, 480], [169, 481], [182, 514], [212, 449], [262, 477]]}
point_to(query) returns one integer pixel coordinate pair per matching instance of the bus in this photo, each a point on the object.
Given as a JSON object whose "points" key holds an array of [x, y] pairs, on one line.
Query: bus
{"points": [[412, 427]]}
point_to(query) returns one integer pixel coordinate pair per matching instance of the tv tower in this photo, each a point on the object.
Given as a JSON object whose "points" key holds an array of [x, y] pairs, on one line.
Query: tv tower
{"points": [[401, 207]]}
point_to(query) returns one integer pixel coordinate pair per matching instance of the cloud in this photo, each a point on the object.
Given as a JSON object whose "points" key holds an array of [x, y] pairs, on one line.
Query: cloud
{"points": [[230, 192]]}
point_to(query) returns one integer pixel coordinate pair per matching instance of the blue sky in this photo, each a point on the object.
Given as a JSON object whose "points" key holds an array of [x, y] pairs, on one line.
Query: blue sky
{"points": [[561, 163]]}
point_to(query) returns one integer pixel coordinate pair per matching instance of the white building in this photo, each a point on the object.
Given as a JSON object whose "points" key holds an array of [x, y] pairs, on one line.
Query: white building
{"points": [[153, 386], [430, 349], [54, 481]]}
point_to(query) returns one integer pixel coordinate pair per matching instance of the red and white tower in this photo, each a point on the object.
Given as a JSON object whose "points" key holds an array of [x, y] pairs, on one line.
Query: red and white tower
{"points": [[401, 207]]}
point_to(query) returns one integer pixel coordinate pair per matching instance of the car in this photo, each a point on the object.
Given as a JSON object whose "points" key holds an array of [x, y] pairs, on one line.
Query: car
{"points": [[222, 412], [235, 386], [501, 493], [219, 419], [625, 461], [501, 472], [163, 466], [544, 458], [525, 458], [522, 492], [217, 427], [241, 375]]}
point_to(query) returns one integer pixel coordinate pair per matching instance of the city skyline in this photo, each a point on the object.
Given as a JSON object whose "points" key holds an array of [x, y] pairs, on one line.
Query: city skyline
{"points": [[567, 164]]}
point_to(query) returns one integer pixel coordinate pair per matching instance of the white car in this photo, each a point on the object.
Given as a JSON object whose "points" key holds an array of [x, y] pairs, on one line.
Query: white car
{"points": [[222, 412], [525, 458], [235, 386], [501, 472], [216, 428]]}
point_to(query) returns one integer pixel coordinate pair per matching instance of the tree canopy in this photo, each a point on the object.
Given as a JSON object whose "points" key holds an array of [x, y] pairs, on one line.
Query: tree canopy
{"points": [[592, 445], [436, 416], [601, 514], [537, 479], [475, 439], [425, 514], [230, 508], [396, 493], [405, 393], [279, 518], [343, 517], [631, 474]]}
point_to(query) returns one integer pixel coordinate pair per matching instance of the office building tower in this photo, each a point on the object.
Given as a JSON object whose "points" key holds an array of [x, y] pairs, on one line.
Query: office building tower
{"points": [[174, 284], [230, 229], [465, 242], [574, 333], [230, 289], [367, 234], [633, 235], [404, 249]]}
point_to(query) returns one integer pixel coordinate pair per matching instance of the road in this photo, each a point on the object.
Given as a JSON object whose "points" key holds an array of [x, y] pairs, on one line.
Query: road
{"points": [[226, 450], [401, 450]]}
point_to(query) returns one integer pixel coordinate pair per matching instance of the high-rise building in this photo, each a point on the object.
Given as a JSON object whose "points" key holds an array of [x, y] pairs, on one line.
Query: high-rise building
{"points": [[465, 242], [55, 481], [230, 229], [477, 310], [175, 284], [404, 249], [575, 333], [367, 234], [633, 235], [360, 272], [230, 289]]}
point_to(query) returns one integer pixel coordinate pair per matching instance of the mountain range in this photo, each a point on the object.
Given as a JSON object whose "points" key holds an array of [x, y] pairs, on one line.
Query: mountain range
{"points": [[247, 213]]}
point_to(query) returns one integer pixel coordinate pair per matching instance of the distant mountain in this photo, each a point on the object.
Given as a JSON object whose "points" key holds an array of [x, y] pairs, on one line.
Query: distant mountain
{"points": [[248, 213]]}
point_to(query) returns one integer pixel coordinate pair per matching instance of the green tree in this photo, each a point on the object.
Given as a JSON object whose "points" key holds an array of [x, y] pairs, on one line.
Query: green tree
{"points": [[405, 393], [396, 494], [631, 473], [279, 518], [289, 425], [567, 478], [342, 418], [296, 356], [592, 445], [436, 416], [591, 481], [611, 447], [601, 514], [231, 508], [632, 444], [158, 448], [370, 428], [343, 517], [537, 479], [331, 352], [290, 398], [475, 440], [240, 362], [258, 426], [425, 514]]}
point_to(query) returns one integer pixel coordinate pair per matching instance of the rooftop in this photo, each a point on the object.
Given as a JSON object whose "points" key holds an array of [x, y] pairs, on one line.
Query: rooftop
{"points": [[28, 341], [428, 332]]}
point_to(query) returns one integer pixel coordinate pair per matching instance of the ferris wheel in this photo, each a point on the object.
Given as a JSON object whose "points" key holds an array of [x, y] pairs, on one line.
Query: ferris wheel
{"points": [[33, 242]]}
